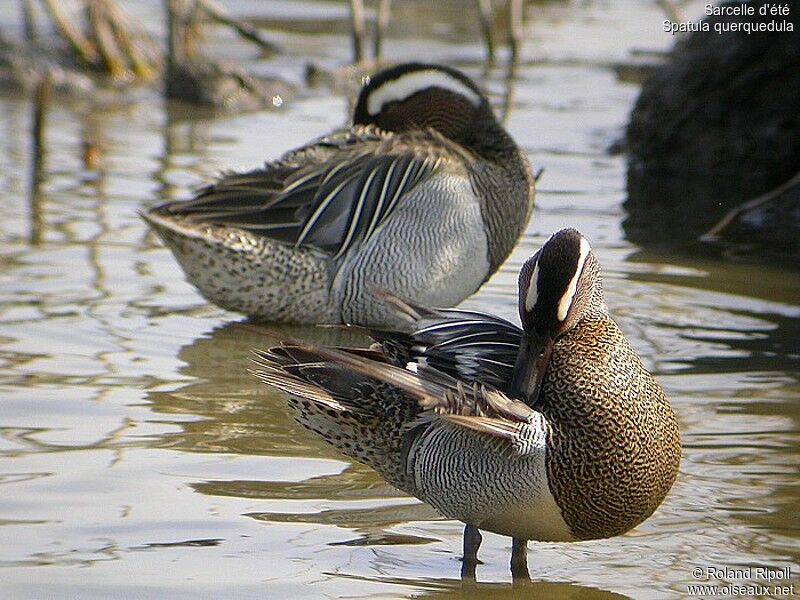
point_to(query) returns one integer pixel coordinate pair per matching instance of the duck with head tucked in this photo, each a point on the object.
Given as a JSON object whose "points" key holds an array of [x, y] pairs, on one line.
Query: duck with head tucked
{"points": [[554, 431], [424, 195]]}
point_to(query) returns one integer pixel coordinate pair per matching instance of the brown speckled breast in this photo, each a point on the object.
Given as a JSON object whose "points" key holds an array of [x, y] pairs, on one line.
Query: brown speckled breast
{"points": [[615, 446]]}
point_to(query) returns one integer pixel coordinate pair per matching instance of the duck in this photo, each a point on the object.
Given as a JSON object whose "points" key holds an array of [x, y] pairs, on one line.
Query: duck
{"points": [[424, 196], [553, 431]]}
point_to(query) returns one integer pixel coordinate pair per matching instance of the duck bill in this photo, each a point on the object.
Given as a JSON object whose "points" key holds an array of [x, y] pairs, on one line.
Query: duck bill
{"points": [[531, 366]]}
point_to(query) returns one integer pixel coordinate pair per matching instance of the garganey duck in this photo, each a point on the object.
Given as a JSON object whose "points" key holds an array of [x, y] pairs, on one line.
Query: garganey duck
{"points": [[424, 196], [551, 432]]}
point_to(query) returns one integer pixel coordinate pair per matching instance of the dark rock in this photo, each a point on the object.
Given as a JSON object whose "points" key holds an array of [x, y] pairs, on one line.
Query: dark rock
{"points": [[223, 87], [23, 64], [716, 126]]}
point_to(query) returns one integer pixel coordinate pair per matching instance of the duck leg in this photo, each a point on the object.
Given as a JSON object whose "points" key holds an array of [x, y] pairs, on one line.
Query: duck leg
{"points": [[472, 541], [519, 560]]}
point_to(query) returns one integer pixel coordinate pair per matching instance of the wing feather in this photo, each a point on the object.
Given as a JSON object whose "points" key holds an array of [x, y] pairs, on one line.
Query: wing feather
{"points": [[332, 204], [467, 345], [499, 428]]}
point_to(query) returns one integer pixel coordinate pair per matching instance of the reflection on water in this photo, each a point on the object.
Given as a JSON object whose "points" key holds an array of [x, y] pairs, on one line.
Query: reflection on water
{"points": [[132, 437], [442, 589], [759, 336]]}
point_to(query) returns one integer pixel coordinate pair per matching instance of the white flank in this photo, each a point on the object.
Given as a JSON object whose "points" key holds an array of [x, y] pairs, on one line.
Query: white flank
{"points": [[569, 294], [416, 81], [533, 289], [543, 517]]}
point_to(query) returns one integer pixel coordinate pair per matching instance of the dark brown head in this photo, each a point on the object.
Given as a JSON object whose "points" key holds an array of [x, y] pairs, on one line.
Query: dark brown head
{"points": [[414, 96], [558, 286]]}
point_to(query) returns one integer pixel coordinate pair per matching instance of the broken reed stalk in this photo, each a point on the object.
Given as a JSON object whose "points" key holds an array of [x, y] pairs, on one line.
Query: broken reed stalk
{"points": [[516, 18], [485, 14], [182, 32], [381, 24], [28, 20], [109, 43], [714, 234], [508, 96], [246, 30], [112, 56], [357, 29], [83, 47], [142, 56], [41, 101]]}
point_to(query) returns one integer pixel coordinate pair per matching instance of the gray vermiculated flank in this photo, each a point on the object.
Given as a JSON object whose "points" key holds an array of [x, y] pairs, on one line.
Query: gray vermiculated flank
{"points": [[466, 478], [436, 246]]}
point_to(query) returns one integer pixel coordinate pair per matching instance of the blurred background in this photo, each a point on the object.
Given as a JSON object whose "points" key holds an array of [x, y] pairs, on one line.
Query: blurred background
{"points": [[139, 458]]}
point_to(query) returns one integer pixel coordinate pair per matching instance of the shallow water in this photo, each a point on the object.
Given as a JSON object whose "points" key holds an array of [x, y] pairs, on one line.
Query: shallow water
{"points": [[140, 459]]}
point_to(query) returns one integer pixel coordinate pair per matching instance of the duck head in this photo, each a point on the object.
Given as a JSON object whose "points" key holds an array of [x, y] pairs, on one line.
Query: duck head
{"points": [[558, 286], [420, 96]]}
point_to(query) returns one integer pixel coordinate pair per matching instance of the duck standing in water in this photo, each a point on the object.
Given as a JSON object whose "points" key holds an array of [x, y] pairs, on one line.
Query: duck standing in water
{"points": [[424, 196], [552, 432]]}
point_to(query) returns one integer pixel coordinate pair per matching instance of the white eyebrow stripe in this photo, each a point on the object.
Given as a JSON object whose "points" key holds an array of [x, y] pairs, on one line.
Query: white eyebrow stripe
{"points": [[533, 289], [569, 294], [416, 81]]}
